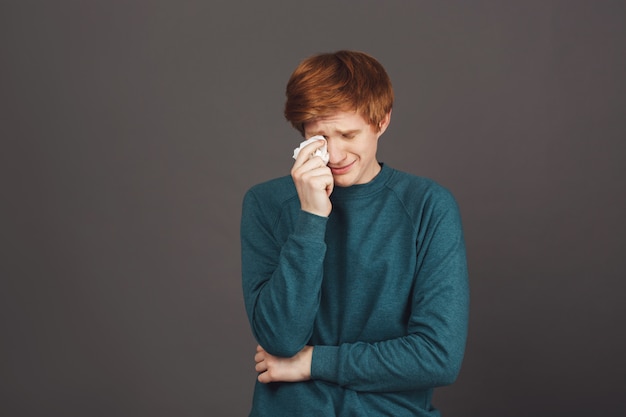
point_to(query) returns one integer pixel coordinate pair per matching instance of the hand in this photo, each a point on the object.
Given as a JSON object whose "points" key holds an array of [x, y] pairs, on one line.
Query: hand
{"points": [[313, 180], [276, 369]]}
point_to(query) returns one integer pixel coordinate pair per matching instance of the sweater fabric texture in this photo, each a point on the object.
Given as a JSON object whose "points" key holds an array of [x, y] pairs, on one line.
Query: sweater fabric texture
{"points": [[379, 288]]}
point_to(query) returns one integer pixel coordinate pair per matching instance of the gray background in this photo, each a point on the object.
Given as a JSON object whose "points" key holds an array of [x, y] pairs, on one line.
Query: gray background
{"points": [[131, 130]]}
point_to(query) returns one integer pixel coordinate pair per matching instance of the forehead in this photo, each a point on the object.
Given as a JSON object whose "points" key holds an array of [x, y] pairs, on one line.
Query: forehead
{"points": [[338, 121]]}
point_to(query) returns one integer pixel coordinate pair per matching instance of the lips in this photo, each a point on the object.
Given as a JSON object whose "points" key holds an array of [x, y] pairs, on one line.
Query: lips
{"points": [[341, 170]]}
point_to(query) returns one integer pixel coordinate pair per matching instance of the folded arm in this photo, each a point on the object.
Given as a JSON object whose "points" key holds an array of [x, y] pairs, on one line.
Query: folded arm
{"points": [[431, 352], [281, 280]]}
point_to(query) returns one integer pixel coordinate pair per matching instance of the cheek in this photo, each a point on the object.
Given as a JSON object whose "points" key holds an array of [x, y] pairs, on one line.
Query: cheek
{"points": [[369, 148]]}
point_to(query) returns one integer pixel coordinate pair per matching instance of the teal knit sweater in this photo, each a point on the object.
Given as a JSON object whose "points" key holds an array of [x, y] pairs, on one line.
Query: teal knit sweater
{"points": [[379, 288]]}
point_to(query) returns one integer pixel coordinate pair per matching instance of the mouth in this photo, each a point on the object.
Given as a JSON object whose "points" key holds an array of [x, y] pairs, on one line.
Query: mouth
{"points": [[341, 170]]}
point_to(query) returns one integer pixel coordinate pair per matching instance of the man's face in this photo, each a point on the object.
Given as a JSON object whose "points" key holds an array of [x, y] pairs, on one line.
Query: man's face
{"points": [[352, 145]]}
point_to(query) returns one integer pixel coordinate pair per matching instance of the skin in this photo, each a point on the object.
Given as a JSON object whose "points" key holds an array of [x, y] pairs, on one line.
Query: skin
{"points": [[276, 369], [352, 145]]}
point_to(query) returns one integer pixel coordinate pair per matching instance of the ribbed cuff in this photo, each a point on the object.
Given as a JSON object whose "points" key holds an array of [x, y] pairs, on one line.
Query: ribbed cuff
{"points": [[325, 363], [311, 226]]}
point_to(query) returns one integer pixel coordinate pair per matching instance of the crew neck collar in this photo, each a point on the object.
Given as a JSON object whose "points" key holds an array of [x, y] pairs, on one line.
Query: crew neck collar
{"points": [[359, 190]]}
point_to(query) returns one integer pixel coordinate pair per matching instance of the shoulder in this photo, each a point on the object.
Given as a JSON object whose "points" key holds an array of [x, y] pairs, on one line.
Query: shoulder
{"points": [[419, 191], [424, 200], [430, 205], [273, 193]]}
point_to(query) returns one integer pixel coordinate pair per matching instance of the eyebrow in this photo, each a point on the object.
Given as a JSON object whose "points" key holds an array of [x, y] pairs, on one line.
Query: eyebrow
{"points": [[341, 132], [349, 132]]}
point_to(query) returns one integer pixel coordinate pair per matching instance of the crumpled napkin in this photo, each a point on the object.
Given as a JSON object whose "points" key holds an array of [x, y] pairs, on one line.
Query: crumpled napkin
{"points": [[322, 152]]}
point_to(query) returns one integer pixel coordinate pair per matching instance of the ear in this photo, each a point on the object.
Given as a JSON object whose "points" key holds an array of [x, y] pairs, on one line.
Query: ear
{"points": [[382, 126]]}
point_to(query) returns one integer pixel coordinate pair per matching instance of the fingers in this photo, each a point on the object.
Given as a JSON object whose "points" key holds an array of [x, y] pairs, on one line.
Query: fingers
{"points": [[261, 365], [306, 153], [313, 181], [259, 357], [309, 169], [319, 177], [329, 187], [260, 354], [276, 369], [302, 167], [264, 378]]}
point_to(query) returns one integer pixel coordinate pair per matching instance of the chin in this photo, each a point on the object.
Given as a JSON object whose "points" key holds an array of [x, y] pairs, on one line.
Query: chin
{"points": [[343, 182]]}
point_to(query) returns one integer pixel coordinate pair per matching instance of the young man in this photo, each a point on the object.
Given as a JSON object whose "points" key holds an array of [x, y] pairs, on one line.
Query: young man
{"points": [[354, 274]]}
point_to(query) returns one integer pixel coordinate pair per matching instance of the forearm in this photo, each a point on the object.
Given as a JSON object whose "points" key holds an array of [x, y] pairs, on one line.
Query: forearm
{"points": [[408, 363], [282, 285], [429, 355], [283, 309], [413, 362]]}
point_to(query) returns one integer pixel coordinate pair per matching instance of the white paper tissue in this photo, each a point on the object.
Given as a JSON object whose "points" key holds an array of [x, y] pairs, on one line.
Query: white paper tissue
{"points": [[322, 152]]}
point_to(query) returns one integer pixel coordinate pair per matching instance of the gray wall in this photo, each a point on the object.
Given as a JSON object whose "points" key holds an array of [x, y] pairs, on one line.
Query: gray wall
{"points": [[131, 130]]}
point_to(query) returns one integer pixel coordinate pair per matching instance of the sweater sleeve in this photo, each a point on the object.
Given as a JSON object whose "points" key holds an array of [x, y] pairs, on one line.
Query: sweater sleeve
{"points": [[281, 280], [431, 352]]}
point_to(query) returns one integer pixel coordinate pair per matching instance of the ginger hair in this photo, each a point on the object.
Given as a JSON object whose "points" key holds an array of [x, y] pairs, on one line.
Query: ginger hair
{"points": [[338, 81]]}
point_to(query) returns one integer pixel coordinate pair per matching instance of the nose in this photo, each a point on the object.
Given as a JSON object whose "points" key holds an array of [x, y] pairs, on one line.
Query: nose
{"points": [[335, 150]]}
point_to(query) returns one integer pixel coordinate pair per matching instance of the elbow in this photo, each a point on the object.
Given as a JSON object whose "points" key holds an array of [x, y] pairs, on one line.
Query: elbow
{"points": [[282, 348], [448, 377], [448, 372], [284, 345]]}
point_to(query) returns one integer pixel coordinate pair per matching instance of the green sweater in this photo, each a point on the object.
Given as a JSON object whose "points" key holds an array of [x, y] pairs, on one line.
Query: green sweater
{"points": [[379, 288]]}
